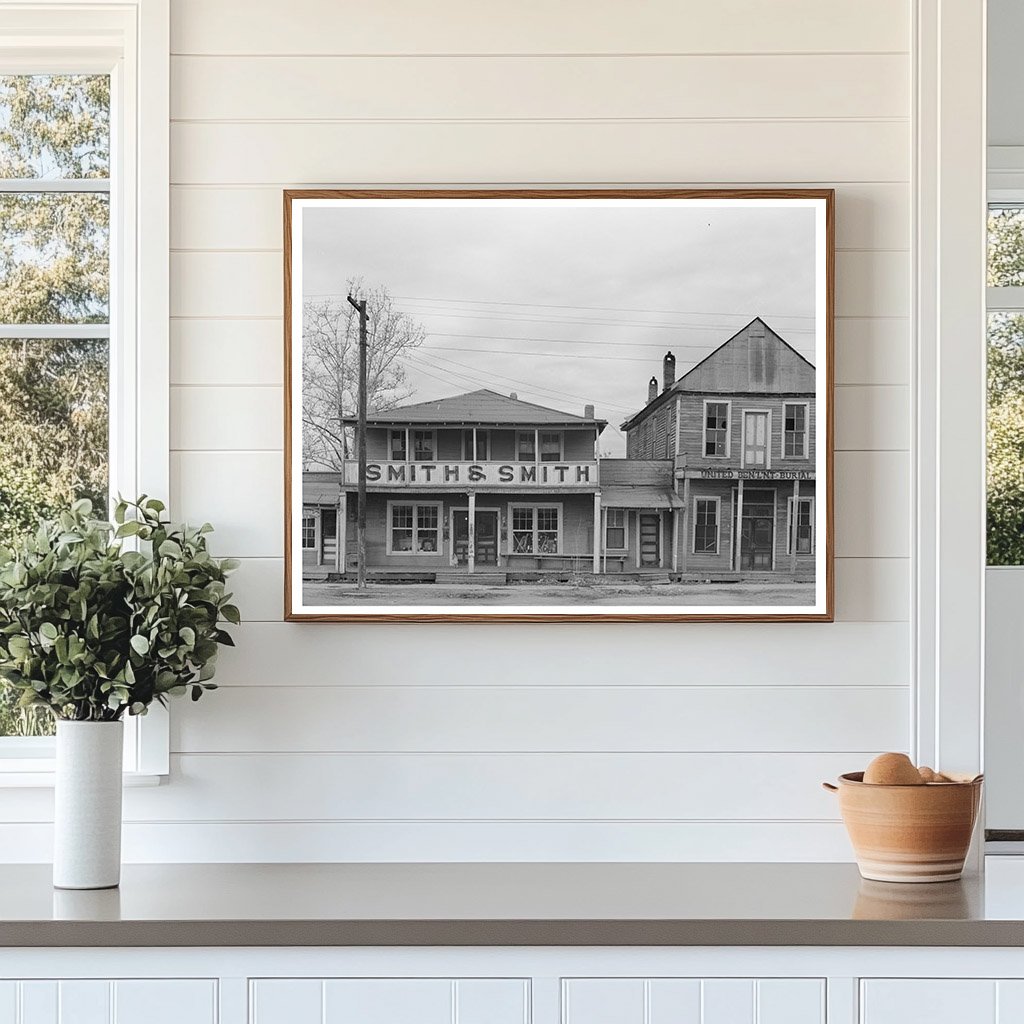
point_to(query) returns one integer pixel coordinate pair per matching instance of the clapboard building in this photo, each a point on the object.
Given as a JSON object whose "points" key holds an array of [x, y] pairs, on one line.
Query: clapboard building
{"points": [[474, 484], [739, 431]]}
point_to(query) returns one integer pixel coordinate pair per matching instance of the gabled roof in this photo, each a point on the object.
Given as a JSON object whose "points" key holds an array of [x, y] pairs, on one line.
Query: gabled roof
{"points": [[729, 369], [479, 408]]}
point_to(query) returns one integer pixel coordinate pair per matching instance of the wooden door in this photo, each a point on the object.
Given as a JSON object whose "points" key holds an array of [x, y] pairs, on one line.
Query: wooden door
{"points": [[755, 440], [650, 540], [486, 538]]}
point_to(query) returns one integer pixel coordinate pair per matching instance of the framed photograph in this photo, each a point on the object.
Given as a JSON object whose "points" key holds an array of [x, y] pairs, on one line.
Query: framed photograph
{"points": [[559, 405]]}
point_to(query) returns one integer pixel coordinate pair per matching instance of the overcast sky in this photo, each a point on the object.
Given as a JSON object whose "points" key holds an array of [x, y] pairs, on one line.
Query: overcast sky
{"points": [[569, 305]]}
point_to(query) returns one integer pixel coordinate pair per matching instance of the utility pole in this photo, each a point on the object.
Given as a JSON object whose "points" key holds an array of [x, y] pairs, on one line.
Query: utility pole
{"points": [[360, 307]]}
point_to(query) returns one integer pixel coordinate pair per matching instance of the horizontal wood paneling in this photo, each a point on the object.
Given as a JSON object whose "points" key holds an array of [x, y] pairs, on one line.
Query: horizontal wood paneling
{"points": [[867, 589], [578, 26], [606, 786], [577, 152], [215, 418], [580, 654], [868, 216], [327, 841], [553, 718], [872, 351], [227, 352], [232, 284], [872, 419], [872, 504], [538, 88]]}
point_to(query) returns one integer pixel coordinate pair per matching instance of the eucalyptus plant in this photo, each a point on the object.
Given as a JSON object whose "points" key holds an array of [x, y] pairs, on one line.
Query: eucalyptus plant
{"points": [[98, 619]]}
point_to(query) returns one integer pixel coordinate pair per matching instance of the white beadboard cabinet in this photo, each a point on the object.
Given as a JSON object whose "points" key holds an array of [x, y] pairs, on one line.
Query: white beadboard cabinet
{"points": [[514, 985]]}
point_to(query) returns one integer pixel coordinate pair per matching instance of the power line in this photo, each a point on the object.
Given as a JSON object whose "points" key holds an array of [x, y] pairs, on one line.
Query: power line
{"points": [[568, 341], [572, 322], [542, 355], [604, 309]]}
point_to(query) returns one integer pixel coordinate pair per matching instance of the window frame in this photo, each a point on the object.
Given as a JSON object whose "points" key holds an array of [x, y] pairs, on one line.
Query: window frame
{"points": [[129, 42], [412, 444], [311, 518], [806, 432], [532, 436], [415, 505], [768, 437], [535, 507], [541, 434], [791, 501], [624, 512], [403, 433], [718, 524], [727, 402]]}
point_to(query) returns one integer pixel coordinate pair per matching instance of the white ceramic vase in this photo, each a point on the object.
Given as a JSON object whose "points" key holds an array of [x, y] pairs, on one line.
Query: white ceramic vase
{"points": [[87, 807]]}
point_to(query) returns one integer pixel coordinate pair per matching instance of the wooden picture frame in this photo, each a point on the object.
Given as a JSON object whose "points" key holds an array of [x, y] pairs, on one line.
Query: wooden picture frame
{"points": [[528, 535]]}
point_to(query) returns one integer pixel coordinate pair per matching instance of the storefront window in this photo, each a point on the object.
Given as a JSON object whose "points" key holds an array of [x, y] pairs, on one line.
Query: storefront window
{"points": [[522, 531], [795, 431], [705, 526], [716, 429], [426, 527], [401, 527], [547, 530], [615, 529]]}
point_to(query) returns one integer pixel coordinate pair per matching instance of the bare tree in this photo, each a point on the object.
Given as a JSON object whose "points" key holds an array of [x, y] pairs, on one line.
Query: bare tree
{"points": [[330, 368]]}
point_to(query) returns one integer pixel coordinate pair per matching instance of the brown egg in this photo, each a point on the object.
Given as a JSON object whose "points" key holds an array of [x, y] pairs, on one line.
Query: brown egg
{"points": [[892, 770]]}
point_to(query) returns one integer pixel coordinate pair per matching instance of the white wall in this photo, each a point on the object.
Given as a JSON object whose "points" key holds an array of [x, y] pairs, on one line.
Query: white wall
{"points": [[596, 742]]}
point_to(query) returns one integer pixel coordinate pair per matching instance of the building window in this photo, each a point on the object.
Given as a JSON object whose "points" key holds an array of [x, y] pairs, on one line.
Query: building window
{"points": [[308, 530], [535, 529], [716, 430], [794, 434], [615, 529], [415, 529], [526, 450], [801, 529], [423, 446], [550, 447], [483, 446], [705, 525], [398, 452]]}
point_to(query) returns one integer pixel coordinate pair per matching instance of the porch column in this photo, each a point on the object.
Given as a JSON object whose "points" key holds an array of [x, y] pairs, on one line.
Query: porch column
{"points": [[686, 521], [661, 538], [604, 540], [472, 457], [408, 445], [318, 534], [536, 450], [471, 526], [675, 539], [793, 519], [339, 555], [737, 536], [636, 553], [597, 532]]}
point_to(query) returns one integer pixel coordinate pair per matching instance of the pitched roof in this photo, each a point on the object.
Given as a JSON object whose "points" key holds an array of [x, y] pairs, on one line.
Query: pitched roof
{"points": [[728, 369], [483, 407]]}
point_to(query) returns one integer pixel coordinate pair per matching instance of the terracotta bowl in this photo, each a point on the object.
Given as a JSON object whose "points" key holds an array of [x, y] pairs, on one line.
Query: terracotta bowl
{"points": [[909, 833]]}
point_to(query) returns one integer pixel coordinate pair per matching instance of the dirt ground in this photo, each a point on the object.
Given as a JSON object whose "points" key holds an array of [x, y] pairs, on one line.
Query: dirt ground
{"points": [[463, 594]]}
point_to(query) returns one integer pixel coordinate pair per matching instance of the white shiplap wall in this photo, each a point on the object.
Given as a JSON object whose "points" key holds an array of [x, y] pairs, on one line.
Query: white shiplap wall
{"points": [[599, 742]]}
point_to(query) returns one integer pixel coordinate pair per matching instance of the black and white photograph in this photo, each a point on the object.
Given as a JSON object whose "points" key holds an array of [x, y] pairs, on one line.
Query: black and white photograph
{"points": [[566, 406]]}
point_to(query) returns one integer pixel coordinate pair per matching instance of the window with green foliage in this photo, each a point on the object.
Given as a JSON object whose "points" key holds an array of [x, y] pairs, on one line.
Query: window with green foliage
{"points": [[1005, 486], [54, 307]]}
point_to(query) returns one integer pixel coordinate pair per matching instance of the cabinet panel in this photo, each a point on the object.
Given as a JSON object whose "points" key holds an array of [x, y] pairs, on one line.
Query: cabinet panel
{"points": [[935, 1001], [100, 1001], [693, 1001], [8, 1002], [388, 1001], [84, 1002], [165, 1002]]}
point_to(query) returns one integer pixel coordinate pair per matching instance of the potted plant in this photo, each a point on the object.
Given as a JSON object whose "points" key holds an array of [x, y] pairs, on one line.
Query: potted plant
{"points": [[99, 620]]}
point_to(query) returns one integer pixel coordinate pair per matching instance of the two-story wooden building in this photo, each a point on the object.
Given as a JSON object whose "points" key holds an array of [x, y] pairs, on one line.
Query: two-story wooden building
{"points": [[476, 483], [739, 428]]}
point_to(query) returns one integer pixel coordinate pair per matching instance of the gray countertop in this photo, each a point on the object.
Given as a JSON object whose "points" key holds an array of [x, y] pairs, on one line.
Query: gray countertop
{"points": [[502, 904]]}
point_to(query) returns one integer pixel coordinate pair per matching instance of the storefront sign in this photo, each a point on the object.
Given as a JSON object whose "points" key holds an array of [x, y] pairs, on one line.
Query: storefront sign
{"points": [[757, 474], [476, 474]]}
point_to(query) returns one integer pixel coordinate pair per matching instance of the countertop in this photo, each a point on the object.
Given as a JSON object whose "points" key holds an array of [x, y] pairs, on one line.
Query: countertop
{"points": [[518, 904]]}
